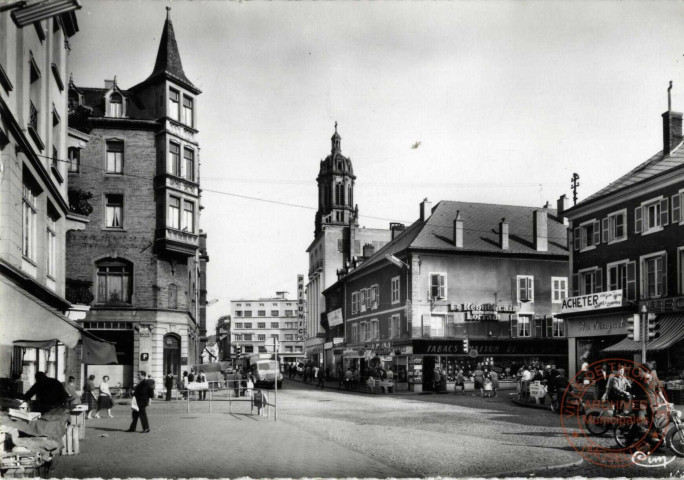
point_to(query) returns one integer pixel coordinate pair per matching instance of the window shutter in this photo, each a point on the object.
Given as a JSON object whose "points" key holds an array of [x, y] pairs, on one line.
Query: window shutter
{"points": [[575, 284], [442, 286], [377, 296], [637, 220], [663, 262], [631, 281], [514, 327], [676, 210], [549, 326], [606, 235], [597, 232], [663, 212], [599, 279], [577, 238], [530, 289]]}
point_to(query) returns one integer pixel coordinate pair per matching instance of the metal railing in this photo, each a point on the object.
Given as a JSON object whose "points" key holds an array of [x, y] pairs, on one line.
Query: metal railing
{"points": [[237, 393]]}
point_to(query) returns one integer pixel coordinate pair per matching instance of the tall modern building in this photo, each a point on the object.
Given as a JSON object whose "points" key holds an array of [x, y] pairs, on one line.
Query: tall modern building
{"points": [[139, 263], [255, 323], [35, 333], [338, 239]]}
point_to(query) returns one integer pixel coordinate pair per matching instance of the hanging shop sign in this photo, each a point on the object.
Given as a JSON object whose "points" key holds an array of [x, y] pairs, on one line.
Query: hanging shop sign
{"points": [[537, 390], [379, 348], [594, 301], [327, 345], [338, 340], [335, 318], [483, 311]]}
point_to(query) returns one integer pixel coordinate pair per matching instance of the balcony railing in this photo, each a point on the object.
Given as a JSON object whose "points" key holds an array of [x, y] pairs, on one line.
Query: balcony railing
{"points": [[178, 241]]}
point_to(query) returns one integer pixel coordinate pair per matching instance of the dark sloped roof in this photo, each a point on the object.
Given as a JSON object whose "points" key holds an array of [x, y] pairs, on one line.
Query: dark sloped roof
{"points": [[481, 229], [94, 98], [655, 165], [480, 232], [168, 61]]}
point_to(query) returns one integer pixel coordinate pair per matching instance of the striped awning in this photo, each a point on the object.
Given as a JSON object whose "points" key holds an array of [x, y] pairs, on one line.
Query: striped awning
{"points": [[671, 331]]}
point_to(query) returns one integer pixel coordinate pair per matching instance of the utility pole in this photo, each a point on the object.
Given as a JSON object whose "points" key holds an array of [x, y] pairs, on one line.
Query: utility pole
{"points": [[573, 186], [644, 332]]}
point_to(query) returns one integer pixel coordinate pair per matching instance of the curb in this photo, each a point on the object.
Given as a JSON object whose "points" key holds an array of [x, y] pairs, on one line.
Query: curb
{"points": [[537, 469], [529, 405]]}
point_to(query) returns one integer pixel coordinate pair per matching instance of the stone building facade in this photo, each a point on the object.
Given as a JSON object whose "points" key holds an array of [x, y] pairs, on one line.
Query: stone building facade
{"points": [[140, 262]]}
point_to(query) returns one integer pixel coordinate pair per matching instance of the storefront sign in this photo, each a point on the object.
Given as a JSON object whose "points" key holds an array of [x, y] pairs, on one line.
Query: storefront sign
{"points": [[380, 348], [335, 318], [301, 313], [486, 348], [338, 340], [594, 301], [351, 353], [483, 308], [537, 390], [674, 304], [328, 345], [603, 325]]}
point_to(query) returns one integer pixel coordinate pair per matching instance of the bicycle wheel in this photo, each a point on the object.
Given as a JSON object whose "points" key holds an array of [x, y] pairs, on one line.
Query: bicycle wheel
{"points": [[675, 440], [596, 423]]}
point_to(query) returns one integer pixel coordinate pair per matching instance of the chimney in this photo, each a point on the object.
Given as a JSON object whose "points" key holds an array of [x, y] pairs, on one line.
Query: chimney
{"points": [[561, 206], [503, 234], [396, 228], [540, 228], [425, 210], [458, 230], [672, 125], [368, 250], [109, 84]]}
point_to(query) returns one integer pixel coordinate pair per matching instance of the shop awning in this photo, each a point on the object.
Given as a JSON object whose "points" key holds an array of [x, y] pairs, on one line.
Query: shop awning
{"points": [[43, 344], [671, 332], [98, 352]]}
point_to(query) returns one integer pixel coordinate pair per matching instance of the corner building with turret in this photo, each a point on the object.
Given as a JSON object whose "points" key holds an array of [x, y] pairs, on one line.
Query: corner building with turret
{"points": [[338, 242], [138, 267]]}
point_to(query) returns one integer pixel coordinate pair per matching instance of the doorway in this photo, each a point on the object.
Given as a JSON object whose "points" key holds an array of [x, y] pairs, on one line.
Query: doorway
{"points": [[172, 354], [429, 373]]}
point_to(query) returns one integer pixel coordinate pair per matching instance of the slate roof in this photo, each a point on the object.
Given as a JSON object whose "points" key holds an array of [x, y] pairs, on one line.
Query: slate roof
{"points": [[94, 98], [168, 63], [480, 232], [655, 165]]}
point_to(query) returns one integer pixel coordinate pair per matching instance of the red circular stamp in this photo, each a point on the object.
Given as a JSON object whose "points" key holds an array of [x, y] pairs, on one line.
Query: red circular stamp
{"points": [[615, 412]]}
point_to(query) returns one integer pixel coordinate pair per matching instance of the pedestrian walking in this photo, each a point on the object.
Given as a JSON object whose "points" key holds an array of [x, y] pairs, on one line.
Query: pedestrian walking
{"points": [[495, 381], [168, 383], [307, 373], [436, 379], [478, 378], [460, 383], [89, 395], [104, 399], [237, 382], [184, 384], [259, 402], [348, 378], [202, 378], [250, 386], [143, 392], [320, 378]]}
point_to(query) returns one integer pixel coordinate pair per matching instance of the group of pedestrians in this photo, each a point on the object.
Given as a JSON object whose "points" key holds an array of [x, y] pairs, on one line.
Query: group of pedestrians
{"points": [[242, 382], [97, 397], [186, 382]]}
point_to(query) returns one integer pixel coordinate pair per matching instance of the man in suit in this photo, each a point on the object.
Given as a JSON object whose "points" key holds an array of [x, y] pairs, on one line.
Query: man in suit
{"points": [[144, 390]]}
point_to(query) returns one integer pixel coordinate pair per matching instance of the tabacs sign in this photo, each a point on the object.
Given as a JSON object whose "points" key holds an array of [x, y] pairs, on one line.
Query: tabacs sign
{"points": [[593, 301]]}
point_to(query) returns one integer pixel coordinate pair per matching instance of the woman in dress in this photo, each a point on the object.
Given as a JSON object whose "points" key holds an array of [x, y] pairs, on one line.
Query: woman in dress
{"points": [[89, 395], [104, 400]]}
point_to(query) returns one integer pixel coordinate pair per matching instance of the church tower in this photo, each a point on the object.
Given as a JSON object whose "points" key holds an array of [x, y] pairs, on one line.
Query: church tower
{"points": [[335, 189]]}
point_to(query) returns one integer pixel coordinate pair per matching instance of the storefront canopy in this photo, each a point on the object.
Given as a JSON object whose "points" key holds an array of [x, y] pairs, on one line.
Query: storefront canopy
{"points": [[671, 332], [98, 352]]}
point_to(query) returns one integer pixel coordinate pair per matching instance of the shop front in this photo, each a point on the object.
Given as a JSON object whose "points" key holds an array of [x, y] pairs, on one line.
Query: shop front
{"points": [[415, 363], [594, 323]]}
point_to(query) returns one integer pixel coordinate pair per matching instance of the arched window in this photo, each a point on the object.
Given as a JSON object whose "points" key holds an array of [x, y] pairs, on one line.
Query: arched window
{"points": [[114, 282], [349, 195], [172, 352], [115, 105]]}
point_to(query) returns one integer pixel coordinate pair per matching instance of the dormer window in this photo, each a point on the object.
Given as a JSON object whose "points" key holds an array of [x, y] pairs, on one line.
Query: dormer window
{"points": [[116, 105]]}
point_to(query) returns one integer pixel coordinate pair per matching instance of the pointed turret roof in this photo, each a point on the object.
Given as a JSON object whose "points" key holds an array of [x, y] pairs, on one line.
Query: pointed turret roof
{"points": [[168, 63]]}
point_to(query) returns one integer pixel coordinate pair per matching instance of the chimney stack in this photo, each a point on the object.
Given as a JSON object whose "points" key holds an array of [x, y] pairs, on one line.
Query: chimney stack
{"points": [[561, 206], [458, 230], [396, 228], [425, 210], [672, 126], [540, 230], [368, 250], [503, 234]]}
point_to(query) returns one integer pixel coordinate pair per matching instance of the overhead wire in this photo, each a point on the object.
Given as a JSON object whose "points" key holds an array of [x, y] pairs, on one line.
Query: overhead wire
{"points": [[287, 204]]}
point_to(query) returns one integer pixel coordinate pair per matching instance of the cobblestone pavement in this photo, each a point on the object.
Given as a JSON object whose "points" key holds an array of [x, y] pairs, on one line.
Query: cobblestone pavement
{"points": [[338, 434]]}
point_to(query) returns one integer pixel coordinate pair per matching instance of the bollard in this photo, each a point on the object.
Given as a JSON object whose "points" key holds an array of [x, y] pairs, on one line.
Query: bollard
{"points": [[188, 397], [210, 392]]}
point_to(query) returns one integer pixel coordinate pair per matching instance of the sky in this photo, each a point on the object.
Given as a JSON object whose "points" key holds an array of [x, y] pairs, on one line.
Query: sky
{"points": [[507, 100]]}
